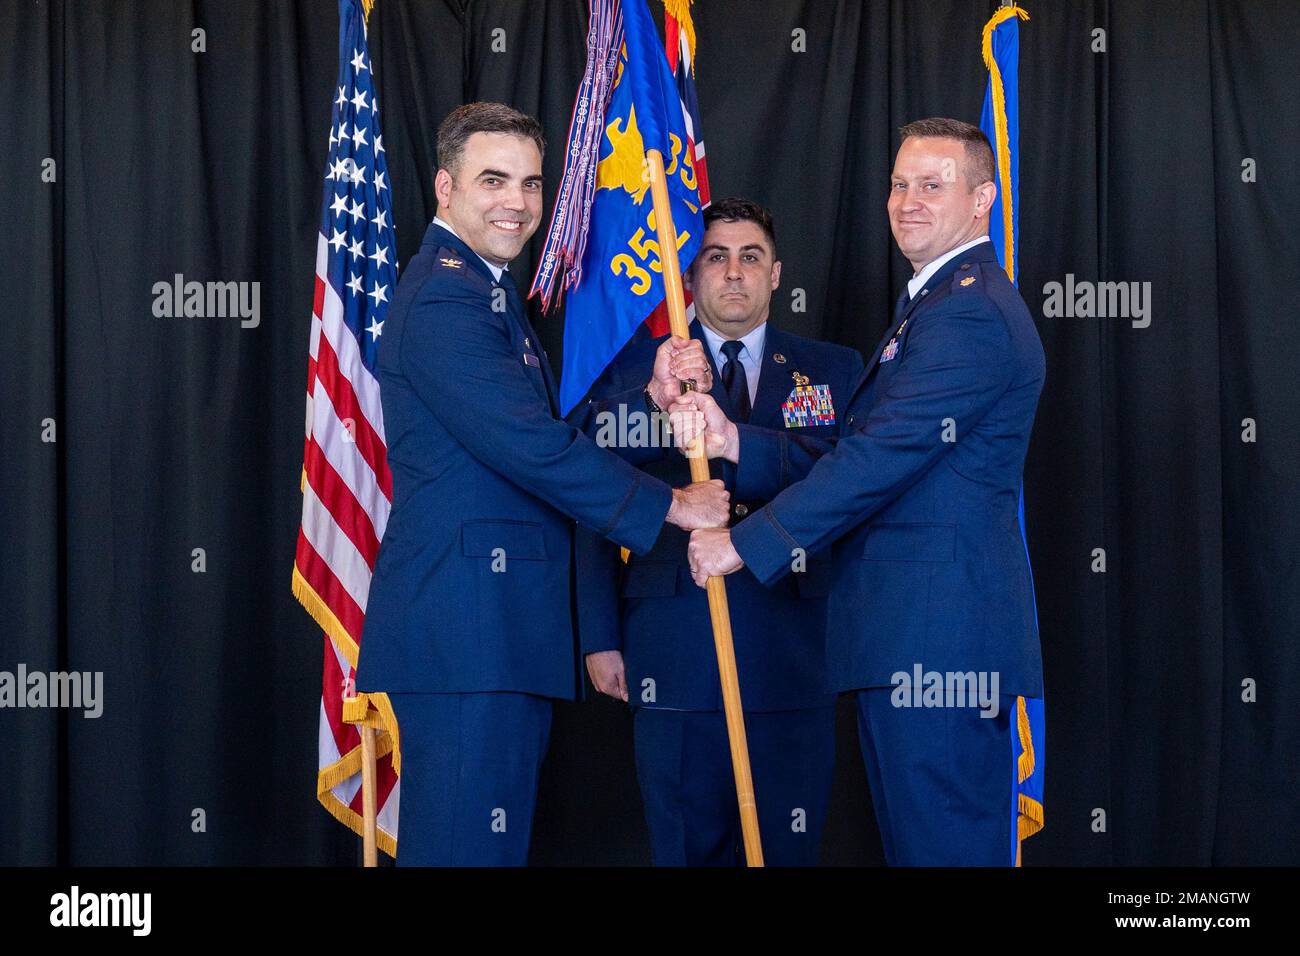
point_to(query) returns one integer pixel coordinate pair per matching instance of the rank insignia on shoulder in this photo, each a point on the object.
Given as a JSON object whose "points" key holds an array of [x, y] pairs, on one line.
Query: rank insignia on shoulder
{"points": [[967, 281], [808, 405], [451, 262]]}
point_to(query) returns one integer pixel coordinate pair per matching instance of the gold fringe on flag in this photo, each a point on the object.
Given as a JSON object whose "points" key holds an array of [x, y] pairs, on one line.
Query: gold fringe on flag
{"points": [[680, 10], [1026, 767], [1002, 146], [345, 815], [348, 765], [355, 709], [1029, 816]]}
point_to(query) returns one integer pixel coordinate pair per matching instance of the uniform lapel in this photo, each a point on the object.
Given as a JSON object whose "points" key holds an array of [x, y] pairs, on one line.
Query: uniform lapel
{"points": [[515, 307], [519, 311], [889, 334], [936, 287], [775, 380]]}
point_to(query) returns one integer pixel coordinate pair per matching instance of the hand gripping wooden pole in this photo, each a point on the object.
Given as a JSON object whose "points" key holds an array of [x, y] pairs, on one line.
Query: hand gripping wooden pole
{"points": [[717, 589]]}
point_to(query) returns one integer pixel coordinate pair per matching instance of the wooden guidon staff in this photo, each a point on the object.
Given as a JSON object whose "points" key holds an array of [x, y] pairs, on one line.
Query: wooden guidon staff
{"points": [[717, 589]]}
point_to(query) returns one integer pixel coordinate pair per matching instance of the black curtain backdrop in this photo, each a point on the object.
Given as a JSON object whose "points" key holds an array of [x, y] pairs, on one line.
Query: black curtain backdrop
{"points": [[176, 434]]}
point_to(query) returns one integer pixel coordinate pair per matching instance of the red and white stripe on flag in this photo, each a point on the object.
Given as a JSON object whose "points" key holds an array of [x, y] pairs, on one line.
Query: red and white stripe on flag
{"points": [[679, 47], [347, 493], [347, 487]]}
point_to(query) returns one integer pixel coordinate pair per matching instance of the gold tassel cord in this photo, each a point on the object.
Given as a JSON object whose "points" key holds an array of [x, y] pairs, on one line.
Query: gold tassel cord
{"points": [[1002, 144]]}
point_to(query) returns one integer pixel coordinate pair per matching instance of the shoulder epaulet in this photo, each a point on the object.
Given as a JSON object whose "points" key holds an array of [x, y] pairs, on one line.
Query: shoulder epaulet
{"points": [[968, 275], [449, 265], [448, 258]]}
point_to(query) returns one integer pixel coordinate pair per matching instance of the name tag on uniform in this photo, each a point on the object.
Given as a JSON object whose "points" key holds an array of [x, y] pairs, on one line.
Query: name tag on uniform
{"points": [[808, 405], [531, 360]]}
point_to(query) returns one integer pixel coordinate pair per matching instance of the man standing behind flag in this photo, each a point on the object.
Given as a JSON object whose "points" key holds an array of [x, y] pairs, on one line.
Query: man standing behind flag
{"points": [[645, 631], [468, 626], [920, 497], [627, 219]]}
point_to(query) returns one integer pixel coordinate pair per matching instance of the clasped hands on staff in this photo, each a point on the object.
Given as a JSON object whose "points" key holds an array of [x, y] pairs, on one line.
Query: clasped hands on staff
{"points": [[694, 414]]}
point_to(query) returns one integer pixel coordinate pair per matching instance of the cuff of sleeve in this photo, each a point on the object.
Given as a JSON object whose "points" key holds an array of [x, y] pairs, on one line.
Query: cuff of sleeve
{"points": [[637, 526], [761, 471], [765, 547], [633, 398], [602, 637], [627, 409]]}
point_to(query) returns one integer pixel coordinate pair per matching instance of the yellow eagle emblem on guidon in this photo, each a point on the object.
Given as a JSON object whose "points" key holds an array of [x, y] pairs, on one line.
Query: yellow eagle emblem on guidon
{"points": [[625, 167]]}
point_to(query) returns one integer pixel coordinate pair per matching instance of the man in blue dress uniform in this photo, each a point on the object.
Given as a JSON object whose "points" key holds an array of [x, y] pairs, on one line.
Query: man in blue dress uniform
{"points": [[468, 620], [646, 631], [920, 498]]}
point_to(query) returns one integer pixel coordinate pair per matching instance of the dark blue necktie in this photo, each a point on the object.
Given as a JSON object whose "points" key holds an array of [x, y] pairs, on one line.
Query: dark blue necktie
{"points": [[735, 381], [902, 304]]}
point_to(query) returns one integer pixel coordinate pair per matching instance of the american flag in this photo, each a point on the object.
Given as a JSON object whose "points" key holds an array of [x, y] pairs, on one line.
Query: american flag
{"points": [[679, 47], [346, 485]]}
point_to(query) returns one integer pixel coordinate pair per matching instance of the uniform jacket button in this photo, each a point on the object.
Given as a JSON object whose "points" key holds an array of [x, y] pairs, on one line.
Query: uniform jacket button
{"points": [[741, 510]]}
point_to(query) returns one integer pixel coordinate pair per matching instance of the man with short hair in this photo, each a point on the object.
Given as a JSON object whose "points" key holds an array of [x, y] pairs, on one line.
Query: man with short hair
{"points": [[919, 498], [646, 632], [468, 620]]}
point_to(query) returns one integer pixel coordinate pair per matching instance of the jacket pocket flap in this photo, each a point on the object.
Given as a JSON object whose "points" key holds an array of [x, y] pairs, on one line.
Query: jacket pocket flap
{"points": [[650, 579], [516, 539], [910, 542]]}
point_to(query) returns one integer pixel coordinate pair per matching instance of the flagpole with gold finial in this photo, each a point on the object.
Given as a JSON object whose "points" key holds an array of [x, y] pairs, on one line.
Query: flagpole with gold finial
{"points": [[717, 589]]}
